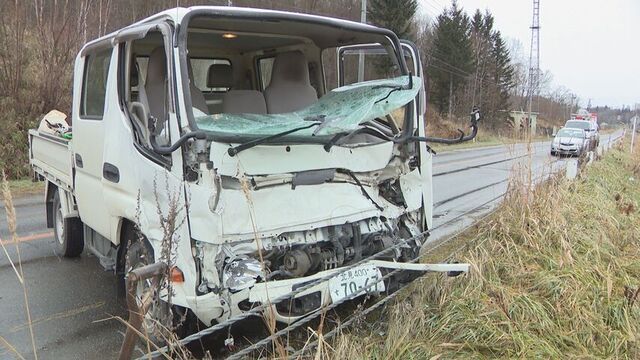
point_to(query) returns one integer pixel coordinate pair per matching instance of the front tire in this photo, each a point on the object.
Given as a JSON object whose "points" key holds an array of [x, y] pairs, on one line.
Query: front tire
{"points": [[67, 232]]}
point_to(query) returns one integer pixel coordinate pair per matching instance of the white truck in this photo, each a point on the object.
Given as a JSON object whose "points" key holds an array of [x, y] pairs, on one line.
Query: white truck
{"points": [[239, 146]]}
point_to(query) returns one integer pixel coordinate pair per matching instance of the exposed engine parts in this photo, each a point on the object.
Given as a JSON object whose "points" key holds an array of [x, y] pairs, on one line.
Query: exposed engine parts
{"points": [[310, 259], [347, 244], [332, 247]]}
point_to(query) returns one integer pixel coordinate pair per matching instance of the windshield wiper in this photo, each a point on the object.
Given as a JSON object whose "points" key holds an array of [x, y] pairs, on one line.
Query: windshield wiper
{"points": [[395, 88], [233, 151]]}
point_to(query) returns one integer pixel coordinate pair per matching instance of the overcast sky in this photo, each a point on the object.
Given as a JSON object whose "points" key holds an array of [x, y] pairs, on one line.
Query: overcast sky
{"points": [[590, 46]]}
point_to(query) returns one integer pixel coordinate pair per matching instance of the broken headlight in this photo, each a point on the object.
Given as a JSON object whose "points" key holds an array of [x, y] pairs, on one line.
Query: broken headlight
{"points": [[241, 273]]}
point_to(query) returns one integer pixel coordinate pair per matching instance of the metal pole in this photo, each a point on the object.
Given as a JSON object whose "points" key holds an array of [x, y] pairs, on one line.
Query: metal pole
{"points": [[363, 19], [137, 311], [633, 131]]}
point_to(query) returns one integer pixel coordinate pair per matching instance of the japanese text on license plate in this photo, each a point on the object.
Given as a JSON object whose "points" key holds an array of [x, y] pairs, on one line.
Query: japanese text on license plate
{"points": [[357, 281]]}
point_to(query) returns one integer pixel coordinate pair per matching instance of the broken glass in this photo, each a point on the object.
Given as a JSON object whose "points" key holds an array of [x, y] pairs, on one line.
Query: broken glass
{"points": [[341, 110]]}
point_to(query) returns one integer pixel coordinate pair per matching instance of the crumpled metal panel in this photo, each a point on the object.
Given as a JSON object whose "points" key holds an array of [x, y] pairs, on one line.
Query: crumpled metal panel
{"points": [[342, 109]]}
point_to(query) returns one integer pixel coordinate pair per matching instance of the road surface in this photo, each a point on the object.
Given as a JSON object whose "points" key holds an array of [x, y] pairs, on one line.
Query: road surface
{"points": [[74, 302]]}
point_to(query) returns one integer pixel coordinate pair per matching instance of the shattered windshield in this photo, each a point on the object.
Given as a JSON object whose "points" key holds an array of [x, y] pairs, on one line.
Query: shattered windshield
{"points": [[342, 110]]}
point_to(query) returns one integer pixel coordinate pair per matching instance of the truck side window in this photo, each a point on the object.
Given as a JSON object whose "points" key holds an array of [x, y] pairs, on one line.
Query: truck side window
{"points": [[94, 84]]}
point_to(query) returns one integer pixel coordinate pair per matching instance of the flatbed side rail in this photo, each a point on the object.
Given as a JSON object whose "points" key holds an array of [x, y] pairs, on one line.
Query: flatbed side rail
{"points": [[52, 158]]}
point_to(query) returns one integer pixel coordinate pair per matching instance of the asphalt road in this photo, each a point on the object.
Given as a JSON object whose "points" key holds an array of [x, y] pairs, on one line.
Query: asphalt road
{"points": [[74, 303]]}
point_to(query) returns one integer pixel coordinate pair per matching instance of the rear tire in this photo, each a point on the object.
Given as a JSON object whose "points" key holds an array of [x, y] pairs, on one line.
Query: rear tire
{"points": [[67, 232]]}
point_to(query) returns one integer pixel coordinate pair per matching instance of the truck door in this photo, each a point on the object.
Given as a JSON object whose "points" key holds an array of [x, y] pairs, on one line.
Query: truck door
{"points": [[92, 94], [364, 54]]}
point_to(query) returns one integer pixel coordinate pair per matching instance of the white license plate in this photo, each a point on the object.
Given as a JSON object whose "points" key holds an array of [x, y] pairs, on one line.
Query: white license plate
{"points": [[355, 282]]}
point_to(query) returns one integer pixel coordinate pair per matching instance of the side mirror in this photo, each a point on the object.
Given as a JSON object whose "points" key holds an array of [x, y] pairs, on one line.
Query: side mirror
{"points": [[474, 116]]}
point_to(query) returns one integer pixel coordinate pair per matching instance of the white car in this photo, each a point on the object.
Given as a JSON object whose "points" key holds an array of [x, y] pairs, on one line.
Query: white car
{"points": [[590, 128], [570, 141]]}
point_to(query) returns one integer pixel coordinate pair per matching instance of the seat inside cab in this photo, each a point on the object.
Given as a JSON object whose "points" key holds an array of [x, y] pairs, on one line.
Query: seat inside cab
{"points": [[254, 73]]}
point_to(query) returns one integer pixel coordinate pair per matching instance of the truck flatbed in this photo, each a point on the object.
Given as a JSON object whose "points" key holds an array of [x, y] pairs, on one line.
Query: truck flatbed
{"points": [[51, 157]]}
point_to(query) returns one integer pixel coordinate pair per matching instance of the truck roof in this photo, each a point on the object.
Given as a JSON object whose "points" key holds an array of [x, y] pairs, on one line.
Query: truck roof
{"points": [[177, 14]]}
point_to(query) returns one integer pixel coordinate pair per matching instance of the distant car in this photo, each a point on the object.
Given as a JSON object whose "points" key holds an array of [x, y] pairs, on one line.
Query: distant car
{"points": [[590, 127], [569, 141]]}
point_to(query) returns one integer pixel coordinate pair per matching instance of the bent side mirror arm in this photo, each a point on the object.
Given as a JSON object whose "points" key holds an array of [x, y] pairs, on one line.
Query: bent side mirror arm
{"points": [[474, 116]]}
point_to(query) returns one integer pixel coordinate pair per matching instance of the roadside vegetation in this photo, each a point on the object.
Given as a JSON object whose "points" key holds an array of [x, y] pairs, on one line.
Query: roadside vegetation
{"points": [[554, 275], [25, 187]]}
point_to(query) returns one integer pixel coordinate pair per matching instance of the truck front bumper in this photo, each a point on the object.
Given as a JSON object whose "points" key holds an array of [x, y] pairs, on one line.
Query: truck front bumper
{"points": [[315, 294]]}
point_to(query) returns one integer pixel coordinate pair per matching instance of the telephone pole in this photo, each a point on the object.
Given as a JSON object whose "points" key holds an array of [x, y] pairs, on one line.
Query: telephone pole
{"points": [[363, 19], [534, 58]]}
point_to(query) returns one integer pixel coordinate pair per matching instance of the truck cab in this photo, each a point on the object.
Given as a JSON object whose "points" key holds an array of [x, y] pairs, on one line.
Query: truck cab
{"points": [[253, 151]]}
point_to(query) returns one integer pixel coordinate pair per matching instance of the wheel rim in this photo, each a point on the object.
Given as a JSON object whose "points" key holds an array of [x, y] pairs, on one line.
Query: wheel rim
{"points": [[59, 226]]}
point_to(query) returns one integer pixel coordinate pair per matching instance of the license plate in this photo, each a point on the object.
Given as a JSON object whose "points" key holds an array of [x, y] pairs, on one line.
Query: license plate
{"points": [[355, 282]]}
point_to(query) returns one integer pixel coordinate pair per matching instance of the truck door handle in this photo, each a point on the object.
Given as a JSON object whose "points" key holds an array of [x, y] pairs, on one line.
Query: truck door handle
{"points": [[79, 160], [110, 172]]}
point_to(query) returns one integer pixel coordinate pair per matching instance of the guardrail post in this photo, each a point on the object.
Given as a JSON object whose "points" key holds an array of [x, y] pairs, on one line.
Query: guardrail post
{"points": [[572, 169]]}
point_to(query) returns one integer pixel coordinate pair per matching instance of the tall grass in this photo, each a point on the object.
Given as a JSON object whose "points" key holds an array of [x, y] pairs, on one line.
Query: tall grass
{"points": [[556, 276], [10, 211]]}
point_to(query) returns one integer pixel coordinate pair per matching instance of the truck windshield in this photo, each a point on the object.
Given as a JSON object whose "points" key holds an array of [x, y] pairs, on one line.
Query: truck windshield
{"points": [[343, 109], [274, 78]]}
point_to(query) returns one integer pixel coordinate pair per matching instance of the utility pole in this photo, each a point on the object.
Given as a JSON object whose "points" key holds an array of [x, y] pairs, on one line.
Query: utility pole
{"points": [[363, 19], [633, 131], [534, 57]]}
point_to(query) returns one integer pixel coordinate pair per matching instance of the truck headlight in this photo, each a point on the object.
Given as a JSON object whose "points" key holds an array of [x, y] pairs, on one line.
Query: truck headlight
{"points": [[241, 273]]}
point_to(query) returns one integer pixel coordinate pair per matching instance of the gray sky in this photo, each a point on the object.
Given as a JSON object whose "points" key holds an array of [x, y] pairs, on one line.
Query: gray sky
{"points": [[590, 46]]}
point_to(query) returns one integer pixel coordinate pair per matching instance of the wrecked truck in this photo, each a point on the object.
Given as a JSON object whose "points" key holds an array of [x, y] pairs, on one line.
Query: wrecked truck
{"points": [[252, 151]]}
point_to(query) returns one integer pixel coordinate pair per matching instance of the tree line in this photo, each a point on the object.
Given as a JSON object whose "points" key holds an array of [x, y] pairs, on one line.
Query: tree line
{"points": [[467, 60]]}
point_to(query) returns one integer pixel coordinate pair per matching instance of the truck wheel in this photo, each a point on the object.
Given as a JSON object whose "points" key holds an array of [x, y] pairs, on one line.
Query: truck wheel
{"points": [[157, 324], [68, 233]]}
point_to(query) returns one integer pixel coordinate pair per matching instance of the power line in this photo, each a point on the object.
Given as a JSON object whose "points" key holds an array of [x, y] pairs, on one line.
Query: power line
{"points": [[438, 8], [435, 8], [453, 67], [447, 71]]}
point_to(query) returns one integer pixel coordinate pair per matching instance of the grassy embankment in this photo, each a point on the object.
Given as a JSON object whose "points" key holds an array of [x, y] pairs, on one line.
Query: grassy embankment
{"points": [[24, 187], [554, 276]]}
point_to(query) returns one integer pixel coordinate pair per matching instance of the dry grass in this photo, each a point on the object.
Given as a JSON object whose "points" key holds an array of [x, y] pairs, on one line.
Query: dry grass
{"points": [[25, 187], [553, 277], [11, 224]]}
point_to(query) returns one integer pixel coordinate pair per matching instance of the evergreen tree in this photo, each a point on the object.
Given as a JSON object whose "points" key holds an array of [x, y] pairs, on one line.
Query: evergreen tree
{"points": [[493, 72], [480, 88], [395, 15], [504, 72], [451, 57]]}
